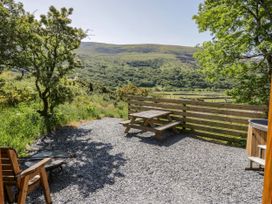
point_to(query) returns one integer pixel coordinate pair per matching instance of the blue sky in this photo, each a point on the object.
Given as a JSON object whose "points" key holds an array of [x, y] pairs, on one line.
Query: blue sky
{"points": [[131, 21]]}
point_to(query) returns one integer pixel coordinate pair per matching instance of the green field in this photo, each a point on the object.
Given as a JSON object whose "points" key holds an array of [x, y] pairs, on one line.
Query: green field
{"points": [[201, 95]]}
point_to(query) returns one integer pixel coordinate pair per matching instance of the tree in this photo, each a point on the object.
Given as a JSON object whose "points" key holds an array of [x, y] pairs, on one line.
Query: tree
{"points": [[11, 16], [241, 45], [49, 56]]}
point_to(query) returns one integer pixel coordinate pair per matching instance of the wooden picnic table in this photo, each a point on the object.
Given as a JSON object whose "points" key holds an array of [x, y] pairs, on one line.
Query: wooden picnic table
{"points": [[145, 121]]}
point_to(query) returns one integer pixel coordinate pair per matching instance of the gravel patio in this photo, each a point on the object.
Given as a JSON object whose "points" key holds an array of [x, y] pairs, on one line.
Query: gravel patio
{"points": [[109, 167]]}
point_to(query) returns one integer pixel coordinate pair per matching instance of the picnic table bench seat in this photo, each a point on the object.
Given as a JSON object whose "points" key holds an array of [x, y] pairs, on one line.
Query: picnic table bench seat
{"points": [[167, 126]]}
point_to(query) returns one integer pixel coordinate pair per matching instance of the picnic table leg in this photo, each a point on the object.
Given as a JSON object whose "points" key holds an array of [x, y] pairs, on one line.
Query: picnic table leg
{"points": [[148, 122], [170, 120], [158, 135], [131, 122]]}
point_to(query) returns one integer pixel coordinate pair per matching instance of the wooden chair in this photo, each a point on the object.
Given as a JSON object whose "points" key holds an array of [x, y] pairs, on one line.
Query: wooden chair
{"points": [[26, 181]]}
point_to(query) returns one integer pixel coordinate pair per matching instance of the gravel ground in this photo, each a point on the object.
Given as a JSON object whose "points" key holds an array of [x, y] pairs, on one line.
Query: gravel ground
{"points": [[110, 167]]}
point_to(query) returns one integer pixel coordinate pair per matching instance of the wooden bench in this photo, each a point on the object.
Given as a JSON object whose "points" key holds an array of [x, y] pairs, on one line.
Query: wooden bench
{"points": [[257, 160], [167, 126], [263, 147]]}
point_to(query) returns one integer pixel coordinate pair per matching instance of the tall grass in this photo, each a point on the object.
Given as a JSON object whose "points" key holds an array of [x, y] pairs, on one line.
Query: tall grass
{"points": [[22, 125]]}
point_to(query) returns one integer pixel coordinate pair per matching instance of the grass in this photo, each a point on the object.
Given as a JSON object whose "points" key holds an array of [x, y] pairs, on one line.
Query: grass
{"points": [[205, 95], [21, 125]]}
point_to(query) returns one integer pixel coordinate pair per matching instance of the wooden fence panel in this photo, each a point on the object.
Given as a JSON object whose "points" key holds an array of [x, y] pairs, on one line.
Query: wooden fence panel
{"points": [[221, 121]]}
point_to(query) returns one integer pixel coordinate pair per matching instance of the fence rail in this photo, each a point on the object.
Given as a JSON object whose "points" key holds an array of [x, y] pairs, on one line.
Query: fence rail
{"points": [[221, 121]]}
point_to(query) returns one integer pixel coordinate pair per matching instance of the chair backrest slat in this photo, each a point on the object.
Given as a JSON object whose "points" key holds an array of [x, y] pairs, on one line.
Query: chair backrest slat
{"points": [[10, 165]]}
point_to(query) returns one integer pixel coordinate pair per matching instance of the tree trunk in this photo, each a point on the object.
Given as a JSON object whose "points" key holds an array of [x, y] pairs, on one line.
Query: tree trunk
{"points": [[46, 115], [45, 111]]}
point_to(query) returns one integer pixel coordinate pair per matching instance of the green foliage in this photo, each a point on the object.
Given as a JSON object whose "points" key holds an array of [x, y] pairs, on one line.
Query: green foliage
{"points": [[251, 86], [13, 92], [241, 42], [143, 65], [43, 47], [50, 56], [20, 126], [11, 16], [130, 89]]}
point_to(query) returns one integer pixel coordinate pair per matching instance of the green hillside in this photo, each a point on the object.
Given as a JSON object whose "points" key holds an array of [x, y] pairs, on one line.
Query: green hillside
{"points": [[144, 65]]}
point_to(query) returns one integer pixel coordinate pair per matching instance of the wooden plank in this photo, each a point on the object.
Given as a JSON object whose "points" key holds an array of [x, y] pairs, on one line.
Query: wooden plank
{"points": [[197, 115], [140, 127], [1, 183], [150, 114], [160, 105], [217, 137], [261, 108], [7, 173], [128, 121], [181, 107], [6, 167], [217, 124], [267, 192], [216, 130], [167, 126], [217, 118], [257, 160], [227, 112], [262, 147]]}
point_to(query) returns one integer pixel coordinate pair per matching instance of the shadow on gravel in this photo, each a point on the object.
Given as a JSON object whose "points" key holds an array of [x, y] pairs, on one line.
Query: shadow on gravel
{"points": [[92, 167], [170, 138]]}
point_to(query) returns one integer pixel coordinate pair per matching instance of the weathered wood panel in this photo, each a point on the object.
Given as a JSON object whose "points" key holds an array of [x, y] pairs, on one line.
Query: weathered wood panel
{"points": [[260, 108], [220, 121], [267, 192]]}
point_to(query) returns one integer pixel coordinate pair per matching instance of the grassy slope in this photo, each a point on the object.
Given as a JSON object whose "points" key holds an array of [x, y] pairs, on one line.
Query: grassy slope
{"points": [[145, 65]]}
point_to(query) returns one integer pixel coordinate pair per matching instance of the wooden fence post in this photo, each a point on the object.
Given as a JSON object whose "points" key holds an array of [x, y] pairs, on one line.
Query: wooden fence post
{"points": [[267, 189], [184, 116]]}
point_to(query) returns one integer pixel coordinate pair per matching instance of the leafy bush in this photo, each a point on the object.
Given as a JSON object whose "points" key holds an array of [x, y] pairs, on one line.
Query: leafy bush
{"points": [[20, 126], [130, 89], [13, 92]]}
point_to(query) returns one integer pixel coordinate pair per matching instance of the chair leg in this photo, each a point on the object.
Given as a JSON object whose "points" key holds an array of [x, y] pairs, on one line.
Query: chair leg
{"points": [[10, 193], [250, 164], [23, 190], [45, 186]]}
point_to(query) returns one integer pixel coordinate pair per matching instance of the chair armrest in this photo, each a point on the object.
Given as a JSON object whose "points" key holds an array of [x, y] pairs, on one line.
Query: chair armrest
{"points": [[34, 168]]}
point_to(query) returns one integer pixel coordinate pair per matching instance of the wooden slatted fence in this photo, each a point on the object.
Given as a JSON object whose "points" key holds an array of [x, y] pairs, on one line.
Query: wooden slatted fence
{"points": [[221, 121]]}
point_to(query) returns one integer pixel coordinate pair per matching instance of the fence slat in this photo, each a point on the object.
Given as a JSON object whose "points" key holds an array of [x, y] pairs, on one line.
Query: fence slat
{"points": [[196, 115], [216, 130], [218, 137], [217, 124], [221, 121], [261, 108], [181, 107]]}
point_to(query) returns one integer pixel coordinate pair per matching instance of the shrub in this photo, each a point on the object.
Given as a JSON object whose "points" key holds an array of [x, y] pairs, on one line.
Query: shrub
{"points": [[20, 126], [130, 89], [14, 92]]}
